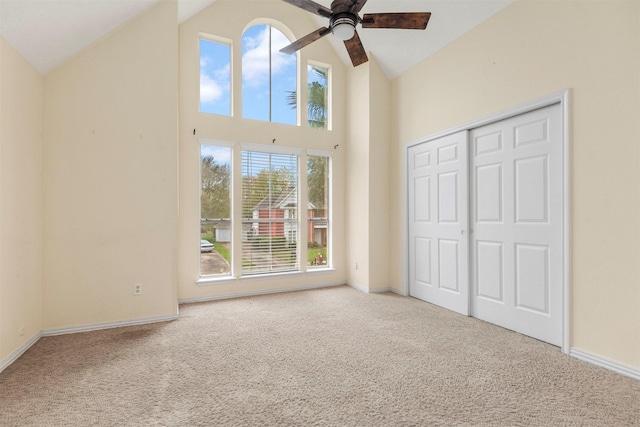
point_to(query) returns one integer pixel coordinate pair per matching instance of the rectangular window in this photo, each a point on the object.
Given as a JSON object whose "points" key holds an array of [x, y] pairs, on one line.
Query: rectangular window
{"points": [[215, 77], [215, 211], [269, 212], [318, 211], [318, 97]]}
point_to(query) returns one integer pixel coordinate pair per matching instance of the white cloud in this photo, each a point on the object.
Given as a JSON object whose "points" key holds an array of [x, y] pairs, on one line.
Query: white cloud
{"points": [[255, 60], [210, 90], [213, 83], [222, 74]]}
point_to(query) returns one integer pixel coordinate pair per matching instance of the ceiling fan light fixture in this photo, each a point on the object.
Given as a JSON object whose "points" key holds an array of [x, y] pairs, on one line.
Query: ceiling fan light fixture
{"points": [[343, 27]]}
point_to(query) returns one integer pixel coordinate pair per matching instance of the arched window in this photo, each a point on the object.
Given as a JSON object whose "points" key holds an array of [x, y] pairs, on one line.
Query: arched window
{"points": [[268, 76]]}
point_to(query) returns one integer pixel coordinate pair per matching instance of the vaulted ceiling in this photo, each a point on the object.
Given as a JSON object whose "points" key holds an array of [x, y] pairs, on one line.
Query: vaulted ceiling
{"points": [[47, 32]]}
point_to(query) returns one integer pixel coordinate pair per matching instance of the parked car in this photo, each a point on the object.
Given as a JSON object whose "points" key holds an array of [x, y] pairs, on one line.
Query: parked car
{"points": [[206, 246]]}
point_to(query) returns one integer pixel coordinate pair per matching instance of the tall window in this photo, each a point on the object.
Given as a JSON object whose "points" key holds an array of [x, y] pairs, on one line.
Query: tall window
{"points": [[215, 211], [268, 76], [317, 97], [269, 212], [318, 211], [215, 77]]}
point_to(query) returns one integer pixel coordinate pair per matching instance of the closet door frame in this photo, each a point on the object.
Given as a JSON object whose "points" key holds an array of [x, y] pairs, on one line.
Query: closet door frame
{"points": [[562, 98]]}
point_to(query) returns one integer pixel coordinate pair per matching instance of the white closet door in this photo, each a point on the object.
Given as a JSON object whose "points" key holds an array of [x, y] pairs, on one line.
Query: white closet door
{"points": [[517, 223], [438, 220]]}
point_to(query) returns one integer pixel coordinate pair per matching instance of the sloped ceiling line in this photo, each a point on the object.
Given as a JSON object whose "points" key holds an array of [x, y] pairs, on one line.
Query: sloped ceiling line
{"points": [[48, 32]]}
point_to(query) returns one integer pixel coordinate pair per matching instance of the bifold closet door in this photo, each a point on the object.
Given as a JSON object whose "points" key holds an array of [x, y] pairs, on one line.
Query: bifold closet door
{"points": [[516, 245], [438, 220]]}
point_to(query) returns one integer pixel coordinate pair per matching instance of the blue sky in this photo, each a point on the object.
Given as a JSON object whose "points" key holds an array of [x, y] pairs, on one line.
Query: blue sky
{"points": [[215, 78], [259, 45], [220, 154]]}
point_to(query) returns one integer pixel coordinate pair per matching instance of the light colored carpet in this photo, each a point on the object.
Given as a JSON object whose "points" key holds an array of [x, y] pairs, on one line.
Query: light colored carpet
{"points": [[327, 357]]}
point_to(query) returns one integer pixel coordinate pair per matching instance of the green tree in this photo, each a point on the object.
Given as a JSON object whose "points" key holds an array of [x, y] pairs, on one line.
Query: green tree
{"points": [[317, 172], [215, 198], [317, 99]]}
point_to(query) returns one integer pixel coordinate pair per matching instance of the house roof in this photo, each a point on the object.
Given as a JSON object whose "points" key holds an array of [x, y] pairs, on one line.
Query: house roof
{"points": [[46, 33], [280, 201]]}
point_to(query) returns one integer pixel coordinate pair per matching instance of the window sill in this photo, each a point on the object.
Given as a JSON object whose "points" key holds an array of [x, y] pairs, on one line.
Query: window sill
{"points": [[208, 281], [261, 276], [321, 270]]}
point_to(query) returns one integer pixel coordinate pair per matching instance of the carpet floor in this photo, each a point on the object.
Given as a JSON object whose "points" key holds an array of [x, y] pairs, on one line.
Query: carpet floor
{"points": [[325, 357]]}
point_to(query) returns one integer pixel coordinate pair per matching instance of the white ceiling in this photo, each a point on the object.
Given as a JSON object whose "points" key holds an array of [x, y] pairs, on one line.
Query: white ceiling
{"points": [[47, 32], [398, 50]]}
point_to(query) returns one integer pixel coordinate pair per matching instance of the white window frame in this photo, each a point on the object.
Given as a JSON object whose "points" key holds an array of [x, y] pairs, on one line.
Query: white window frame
{"points": [[223, 41], [329, 68], [329, 155], [207, 279], [236, 211]]}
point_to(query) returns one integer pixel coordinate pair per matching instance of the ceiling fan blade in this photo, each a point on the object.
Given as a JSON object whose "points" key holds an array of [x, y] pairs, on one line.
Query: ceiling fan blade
{"points": [[408, 20], [311, 6], [358, 5], [304, 41], [356, 50]]}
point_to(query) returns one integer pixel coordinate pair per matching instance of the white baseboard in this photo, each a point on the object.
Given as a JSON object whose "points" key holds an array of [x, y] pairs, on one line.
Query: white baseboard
{"points": [[606, 363], [258, 292], [19, 352], [109, 325], [374, 290], [387, 289], [358, 287]]}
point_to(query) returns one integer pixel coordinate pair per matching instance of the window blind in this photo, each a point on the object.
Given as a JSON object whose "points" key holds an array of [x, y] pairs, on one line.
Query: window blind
{"points": [[270, 225]]}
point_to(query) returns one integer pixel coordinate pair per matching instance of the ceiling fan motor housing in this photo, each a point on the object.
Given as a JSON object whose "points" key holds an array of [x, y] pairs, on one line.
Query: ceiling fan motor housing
{"points": [[343, 25]]}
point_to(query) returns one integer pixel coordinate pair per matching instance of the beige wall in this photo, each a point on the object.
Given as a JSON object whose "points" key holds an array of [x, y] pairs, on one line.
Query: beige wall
{"points": [[368, 176], [229, 19], [20, 201], [358, 170], [110, 177], [529, 50], [379, 174]]}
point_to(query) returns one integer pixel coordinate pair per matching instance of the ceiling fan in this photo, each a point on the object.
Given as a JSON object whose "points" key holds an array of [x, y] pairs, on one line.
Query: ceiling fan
{"points": [[343, 18]]}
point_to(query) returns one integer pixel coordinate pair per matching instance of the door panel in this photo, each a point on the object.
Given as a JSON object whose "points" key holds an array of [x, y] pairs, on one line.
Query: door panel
{"points": [[532, 277], [517, 224], [490, 270], [438, 206], [489, 183], [423, 252], [448, 197], [422, 199]]}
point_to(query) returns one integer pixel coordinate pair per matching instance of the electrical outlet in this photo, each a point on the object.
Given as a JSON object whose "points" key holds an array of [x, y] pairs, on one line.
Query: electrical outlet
{"points": [[21, 331], [355, 265], [137, 289]]}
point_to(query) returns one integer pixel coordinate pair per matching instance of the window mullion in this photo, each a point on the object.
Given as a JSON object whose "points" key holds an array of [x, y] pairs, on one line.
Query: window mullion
{"points": [[270, 79], [303, 214]]}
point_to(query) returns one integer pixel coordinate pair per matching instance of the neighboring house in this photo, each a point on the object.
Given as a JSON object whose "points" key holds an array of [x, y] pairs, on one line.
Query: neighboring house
{"points": [[284, 206], [317, 226], [223, 232]]}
